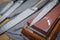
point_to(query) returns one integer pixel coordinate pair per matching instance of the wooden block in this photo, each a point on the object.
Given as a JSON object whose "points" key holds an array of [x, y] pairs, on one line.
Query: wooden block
{"points": [[5, 37], [40, 1], [46, 24], [29, 34], [33, 36]]}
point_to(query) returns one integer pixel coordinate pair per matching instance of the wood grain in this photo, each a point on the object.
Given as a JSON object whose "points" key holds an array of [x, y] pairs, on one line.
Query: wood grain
{"points": [[33, 36], [4, 21], [5, 37], [45, 24]]}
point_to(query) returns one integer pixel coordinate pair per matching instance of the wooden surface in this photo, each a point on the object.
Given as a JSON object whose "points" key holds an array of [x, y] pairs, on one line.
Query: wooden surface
{"points": [[40, 1], [5, 37], [33, 36], [45, 24]]}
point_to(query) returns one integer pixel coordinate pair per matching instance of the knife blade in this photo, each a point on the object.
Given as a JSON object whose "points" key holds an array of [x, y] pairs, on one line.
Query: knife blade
{"points": [[19, 18], [7, 7], [15, 6], [44, 11]]}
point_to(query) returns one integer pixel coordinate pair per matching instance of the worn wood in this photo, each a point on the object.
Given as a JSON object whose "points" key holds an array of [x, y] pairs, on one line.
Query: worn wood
{"points": [[5, 37], [30, 35], [46, 24], [33, 36]]}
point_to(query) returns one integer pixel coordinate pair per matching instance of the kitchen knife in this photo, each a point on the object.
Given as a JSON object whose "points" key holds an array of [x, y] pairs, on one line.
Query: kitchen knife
{"points": [[22, 16], [44, 11], [7, 6], [15, 6]]}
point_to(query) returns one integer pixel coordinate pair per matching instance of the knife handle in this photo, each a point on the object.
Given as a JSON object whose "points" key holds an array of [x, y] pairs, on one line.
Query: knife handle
{"points": [[4, 21], [37, 3], [44, 2], [40, 3]]}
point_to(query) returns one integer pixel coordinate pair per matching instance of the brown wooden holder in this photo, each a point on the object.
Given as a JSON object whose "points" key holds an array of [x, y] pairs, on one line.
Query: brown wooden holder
{"points": [[53, 29], [34, 36], [42, 25]]}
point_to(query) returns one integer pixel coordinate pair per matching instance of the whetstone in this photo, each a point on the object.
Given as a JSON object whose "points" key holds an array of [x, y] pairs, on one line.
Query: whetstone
{"points": [[45, 25], [33, 36]]}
